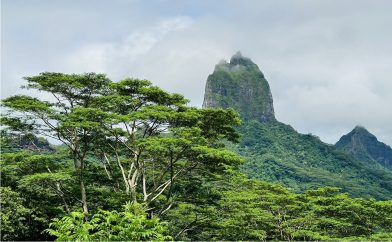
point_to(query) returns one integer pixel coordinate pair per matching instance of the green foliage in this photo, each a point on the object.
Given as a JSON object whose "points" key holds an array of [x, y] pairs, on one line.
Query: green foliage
{"points": [[69, 119], [132, 127], [130, 225], [14, 215], [275, 152], [45, 185], [245, 209], [123, 141]]}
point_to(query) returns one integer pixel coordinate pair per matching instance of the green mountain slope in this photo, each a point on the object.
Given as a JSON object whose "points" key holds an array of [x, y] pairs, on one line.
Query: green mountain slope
{"points": [[274, 151], [364, 146]]}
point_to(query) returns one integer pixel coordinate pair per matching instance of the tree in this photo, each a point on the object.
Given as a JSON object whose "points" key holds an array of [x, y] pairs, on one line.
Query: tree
{"points": [[45, 184], [160, 139], [58, 119], [13, 215], [151, 136], [233, 207]]}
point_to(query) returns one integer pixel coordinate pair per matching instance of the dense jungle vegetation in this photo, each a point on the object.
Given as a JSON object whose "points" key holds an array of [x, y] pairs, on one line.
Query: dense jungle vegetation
{"points": [[131, 161]]}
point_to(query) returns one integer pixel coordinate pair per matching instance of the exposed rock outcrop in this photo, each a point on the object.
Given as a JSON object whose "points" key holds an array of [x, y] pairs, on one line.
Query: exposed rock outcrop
{"points": [[240, 85]]}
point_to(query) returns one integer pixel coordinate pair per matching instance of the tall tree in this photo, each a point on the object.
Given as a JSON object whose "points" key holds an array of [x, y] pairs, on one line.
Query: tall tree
{"points": [[154, 138], [60, 118]]}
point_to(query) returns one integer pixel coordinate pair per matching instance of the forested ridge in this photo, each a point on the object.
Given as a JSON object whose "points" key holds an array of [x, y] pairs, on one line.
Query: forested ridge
{"points": [[134, 162], [276, 152]]}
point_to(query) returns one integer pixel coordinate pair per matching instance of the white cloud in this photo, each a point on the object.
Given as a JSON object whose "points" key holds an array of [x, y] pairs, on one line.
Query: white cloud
{"points": [[328, 62], [114, 57]]}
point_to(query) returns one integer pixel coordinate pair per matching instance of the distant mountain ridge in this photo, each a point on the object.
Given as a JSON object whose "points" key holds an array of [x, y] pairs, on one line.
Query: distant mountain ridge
{"points": [[276, 152], [363, 145]]}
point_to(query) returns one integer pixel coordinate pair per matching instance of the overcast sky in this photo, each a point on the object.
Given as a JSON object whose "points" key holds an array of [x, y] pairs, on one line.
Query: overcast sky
{"points": [[329, 63]]}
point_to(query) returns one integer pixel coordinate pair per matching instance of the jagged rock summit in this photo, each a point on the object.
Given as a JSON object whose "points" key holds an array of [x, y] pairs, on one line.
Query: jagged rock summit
{"points": [[240, 85], [363, 145]]}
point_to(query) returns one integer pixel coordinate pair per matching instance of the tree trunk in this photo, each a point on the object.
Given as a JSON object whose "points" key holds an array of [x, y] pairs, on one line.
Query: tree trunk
{"points": [[80, 166], [60, 193], [84, 198]]}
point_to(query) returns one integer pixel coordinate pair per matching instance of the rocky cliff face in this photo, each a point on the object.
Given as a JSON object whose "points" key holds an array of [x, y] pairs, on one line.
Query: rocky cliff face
{"points": [[240, 85], [364, 146]]}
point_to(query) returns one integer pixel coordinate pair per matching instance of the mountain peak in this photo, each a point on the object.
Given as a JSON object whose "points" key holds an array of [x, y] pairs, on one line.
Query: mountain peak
{"points": [[238, 54], [360, 128], [240, 85], [358, 134], [363, 145], [239, 59]]}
